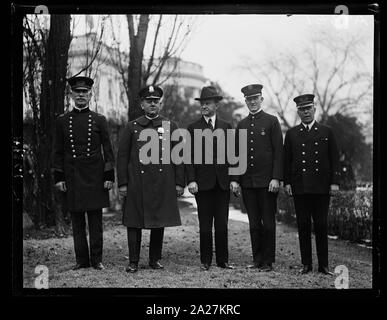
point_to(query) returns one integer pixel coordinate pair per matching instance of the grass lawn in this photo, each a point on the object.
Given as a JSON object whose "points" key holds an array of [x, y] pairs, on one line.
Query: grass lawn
{"points": [[182, 263]]}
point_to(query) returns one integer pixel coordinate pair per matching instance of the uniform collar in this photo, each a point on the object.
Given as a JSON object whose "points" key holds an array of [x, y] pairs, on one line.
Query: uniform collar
{"points": [[255, 114], [310, 125], [144, 121], [77, 110]]}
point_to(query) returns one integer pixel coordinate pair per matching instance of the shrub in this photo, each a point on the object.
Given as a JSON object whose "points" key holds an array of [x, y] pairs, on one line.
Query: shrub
{"points": [[349, 217]]}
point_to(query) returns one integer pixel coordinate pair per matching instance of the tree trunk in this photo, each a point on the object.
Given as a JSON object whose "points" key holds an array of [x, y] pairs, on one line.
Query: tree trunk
{"points": [[51, 105], [137, 43]]}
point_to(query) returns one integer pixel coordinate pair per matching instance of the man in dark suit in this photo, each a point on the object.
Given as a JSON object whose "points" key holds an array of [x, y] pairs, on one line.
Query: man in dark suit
{"points": [[260, 183], [83, 171], [311, 174], [210, 182], [150, 190]]}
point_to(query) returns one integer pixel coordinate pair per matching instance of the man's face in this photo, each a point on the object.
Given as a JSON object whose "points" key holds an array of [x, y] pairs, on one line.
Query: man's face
{"points": [[81, 96], [151, 106], [208, 107], [306, 114], [254, 103]]}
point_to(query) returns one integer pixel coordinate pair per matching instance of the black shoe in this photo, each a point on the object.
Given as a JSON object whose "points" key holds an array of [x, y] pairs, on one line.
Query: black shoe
{"points": [[81, 266], [132, 267], [205, 266], [99, 266], [325, 270], [156, 265], [266, 267], [225, 266], [255, 265], [306, 269]]}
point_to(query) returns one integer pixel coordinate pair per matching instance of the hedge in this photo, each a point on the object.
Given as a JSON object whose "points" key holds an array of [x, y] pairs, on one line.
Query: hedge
{"points": [[349, 218]]}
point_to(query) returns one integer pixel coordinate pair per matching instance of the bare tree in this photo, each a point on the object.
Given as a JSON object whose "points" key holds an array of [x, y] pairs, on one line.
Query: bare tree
{"points": [[46, 66], [330, 68], [165, 42]]}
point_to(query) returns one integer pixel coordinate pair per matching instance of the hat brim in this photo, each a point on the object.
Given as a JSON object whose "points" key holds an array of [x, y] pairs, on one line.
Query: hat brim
{"points": [[253, 95], [217, 98], [152, 97], [305, 105], [80, 87]]}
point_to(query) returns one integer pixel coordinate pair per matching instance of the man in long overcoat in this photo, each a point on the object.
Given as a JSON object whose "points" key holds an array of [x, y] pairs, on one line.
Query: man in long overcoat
{"points": [[83, 166], [149, 188], [260, 182], [210, 182], [311, 174]]}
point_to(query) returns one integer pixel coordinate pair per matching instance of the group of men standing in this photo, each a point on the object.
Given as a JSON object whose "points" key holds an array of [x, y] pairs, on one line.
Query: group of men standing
{"points": [[307, 164]]}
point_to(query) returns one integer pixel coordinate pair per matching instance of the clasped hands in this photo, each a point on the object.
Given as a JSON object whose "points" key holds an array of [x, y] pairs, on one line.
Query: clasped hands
{"points": [[122, 191]]}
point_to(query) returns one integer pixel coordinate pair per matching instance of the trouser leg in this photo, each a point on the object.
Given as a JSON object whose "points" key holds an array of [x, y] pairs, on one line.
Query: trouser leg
{"points": [[134, 244], [303, 214], [222, 199], [268, 205], [95, 236], [156, 244], [204, 200], [320, 224], [250, 198], [81, 247]]}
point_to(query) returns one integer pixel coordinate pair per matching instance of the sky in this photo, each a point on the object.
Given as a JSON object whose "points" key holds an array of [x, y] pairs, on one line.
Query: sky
{"points": [[222, 43]]}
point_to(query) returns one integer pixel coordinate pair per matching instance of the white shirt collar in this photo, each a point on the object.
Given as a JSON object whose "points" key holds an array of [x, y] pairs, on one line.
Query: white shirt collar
{"points": [[151, 118], [80, 108], [310, 125], [254, 113], [213, 118]]}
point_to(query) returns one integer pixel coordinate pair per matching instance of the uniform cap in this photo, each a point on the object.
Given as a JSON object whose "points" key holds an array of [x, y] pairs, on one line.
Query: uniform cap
{"points": [[80, 82], [304, 100], [151, 92], [252, 90]]}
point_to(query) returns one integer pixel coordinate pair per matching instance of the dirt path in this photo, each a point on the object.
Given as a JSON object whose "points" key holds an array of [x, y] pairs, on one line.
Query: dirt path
{"points": [[182, 264]]}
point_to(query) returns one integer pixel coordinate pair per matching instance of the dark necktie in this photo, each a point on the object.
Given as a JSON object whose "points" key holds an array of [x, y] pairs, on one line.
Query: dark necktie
{"points": [[210, 124], [307, 129]]}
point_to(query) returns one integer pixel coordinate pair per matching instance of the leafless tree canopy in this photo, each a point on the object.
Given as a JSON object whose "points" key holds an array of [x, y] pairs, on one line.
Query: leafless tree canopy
{"points": [[330, 68]]}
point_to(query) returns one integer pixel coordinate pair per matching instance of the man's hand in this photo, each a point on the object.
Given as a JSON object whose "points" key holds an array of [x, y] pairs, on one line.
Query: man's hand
{"points": [[288, 190], [179, 190], [193, 187], [234, 187], [61, 186], [122, 191], [334, 189], [108, 184], [274, 185]]}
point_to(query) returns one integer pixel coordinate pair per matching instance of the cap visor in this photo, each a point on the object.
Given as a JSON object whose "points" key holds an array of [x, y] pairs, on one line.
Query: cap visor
{"points": [[152, 97], [305, 105], [253, 95], [80, 87]]}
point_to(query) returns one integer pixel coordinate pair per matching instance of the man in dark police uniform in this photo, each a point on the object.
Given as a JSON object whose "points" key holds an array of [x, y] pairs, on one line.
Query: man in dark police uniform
{"points": [[84, 170], [260, 183], [210, 182], [149, 190], [311, 174]]}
